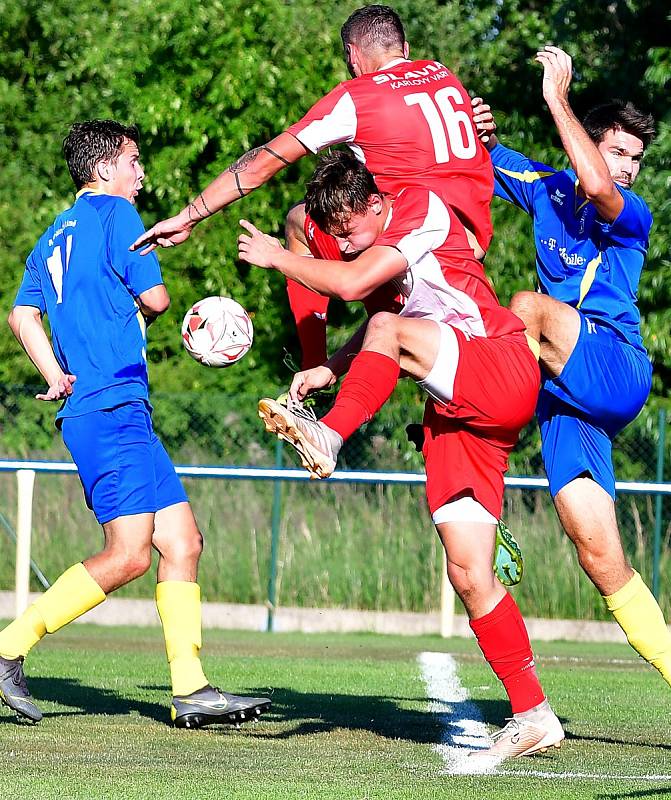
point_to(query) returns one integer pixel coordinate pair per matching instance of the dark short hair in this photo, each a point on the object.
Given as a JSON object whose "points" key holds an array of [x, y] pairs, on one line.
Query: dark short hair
{"points": [[617, 115], [373, 28], [340, 186], [93, 141]]}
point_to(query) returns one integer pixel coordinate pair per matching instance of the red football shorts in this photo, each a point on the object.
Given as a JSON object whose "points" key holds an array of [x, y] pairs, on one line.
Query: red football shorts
{"points": [[467, 442]]}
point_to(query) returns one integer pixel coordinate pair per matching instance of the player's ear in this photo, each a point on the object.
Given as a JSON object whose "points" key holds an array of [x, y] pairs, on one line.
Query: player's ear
{"points": [[353, 59], [375, 204], [406, 50], [104, 170]]}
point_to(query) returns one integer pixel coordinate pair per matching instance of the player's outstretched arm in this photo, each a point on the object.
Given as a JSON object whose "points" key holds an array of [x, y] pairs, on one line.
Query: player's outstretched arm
{"points": [[351, 280], [26, 325], [250, 171], [592, 171]]}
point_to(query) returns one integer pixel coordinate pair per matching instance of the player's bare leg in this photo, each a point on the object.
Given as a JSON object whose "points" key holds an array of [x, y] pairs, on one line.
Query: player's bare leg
{"points": [[413, 343], [534, 727], [555, 325], [469, 547], [127, 551], [587, 513], [179, 543], [195, 702], [125, 556]]}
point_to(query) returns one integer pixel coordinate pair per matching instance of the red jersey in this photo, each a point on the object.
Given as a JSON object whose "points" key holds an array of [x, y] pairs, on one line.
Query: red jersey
{"points": [[322, 245], [411, 123], [444, 281]]}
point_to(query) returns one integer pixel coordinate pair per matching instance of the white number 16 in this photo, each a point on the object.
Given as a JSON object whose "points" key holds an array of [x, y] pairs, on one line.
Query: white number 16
{"points": [[451, 129]]}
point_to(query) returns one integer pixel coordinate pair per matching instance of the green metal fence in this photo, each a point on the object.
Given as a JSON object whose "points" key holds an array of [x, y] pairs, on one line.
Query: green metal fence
{"points": [[369, 546]]}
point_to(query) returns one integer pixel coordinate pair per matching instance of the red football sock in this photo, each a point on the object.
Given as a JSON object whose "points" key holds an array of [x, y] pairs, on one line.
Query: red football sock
{"points": [[309, 310], [504, 641], [369, 383]]}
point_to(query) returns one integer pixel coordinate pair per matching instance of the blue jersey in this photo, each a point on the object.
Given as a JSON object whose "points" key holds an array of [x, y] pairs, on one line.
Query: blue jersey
{"points": [[592, 265], [82, 275]]}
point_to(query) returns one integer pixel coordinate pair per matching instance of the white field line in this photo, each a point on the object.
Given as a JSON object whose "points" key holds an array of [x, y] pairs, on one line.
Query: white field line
{"points": [[586, 776], [463, 728]]}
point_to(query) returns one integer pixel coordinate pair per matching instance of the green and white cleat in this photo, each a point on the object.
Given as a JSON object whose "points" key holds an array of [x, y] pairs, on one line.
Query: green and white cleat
{"points": [[508, 558]]}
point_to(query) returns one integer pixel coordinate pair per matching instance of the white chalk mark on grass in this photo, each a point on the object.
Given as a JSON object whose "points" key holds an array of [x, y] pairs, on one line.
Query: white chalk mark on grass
{"points": [[588, 776], [463, 728]]}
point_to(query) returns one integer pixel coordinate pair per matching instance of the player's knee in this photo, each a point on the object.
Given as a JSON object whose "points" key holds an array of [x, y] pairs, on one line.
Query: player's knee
{"points": [[192, 545], [469, 582], [133, 565], [183, 547], [526, 306], [382, 325], [599, 561]]}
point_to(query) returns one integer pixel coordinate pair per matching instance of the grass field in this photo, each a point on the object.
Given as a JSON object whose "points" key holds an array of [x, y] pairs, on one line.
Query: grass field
{"points": [[351, 719]]}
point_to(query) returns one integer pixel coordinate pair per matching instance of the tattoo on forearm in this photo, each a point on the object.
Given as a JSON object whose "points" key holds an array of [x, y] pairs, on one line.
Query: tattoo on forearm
{"points": [[273, 153], [199, 215], [202, 200], [243, 162], [241, 191], [240, 166], [192, 206]]}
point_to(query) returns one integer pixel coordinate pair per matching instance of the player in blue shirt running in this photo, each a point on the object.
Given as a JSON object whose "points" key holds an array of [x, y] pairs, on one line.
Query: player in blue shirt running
{"points": [[591, 235], [99, 297]]}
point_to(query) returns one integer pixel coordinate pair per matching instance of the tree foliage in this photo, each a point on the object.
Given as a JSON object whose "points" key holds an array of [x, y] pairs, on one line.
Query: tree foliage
{"points": [[205, 82]]}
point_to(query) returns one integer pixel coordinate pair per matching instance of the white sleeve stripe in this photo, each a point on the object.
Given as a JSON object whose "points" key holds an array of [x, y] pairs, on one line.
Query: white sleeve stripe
{"points": [[431, 234], [337, 126]]}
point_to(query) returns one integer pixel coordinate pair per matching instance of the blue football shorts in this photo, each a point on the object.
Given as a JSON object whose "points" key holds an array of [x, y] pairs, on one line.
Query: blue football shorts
{"points": [[601, 389], [123, 467]]}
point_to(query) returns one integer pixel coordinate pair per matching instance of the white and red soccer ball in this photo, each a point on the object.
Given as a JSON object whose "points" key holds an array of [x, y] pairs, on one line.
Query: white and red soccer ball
{"points": [[217, 331]]}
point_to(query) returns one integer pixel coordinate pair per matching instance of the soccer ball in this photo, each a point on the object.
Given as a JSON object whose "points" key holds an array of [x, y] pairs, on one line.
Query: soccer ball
{"points": [[217, 331]]}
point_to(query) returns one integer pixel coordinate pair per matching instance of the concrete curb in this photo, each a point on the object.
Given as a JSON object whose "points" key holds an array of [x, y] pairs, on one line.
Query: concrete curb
{"points": [[231, 616]]}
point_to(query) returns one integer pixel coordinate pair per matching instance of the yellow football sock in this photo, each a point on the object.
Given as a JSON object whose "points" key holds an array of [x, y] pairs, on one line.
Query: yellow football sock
{"points": [[640, 617], [178, 604], [534, 346], [70, 596], [22, 634]]}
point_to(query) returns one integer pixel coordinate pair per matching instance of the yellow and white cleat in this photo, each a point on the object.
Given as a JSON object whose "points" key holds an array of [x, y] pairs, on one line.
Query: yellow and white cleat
{"points": [[316, 444]]}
